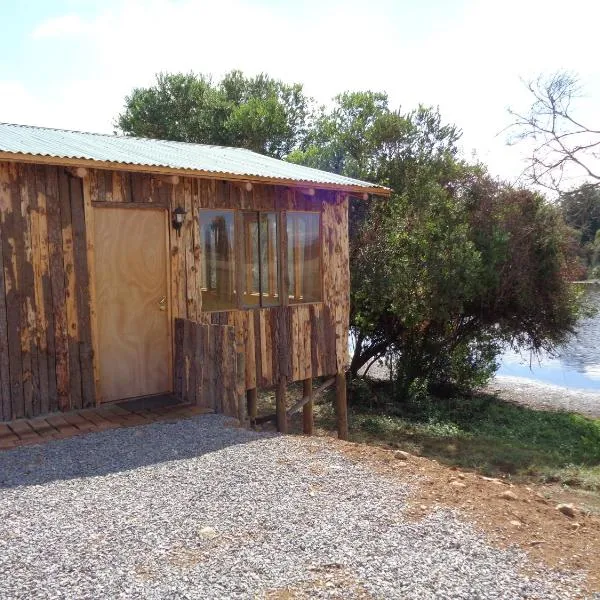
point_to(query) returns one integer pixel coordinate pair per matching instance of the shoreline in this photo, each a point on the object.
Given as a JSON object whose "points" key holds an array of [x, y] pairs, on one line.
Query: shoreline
{"points": [[532, 394], [545, 396]]}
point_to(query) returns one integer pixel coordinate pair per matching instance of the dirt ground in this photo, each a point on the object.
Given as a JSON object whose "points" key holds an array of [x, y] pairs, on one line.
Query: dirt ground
{"points": [[511, 514]]}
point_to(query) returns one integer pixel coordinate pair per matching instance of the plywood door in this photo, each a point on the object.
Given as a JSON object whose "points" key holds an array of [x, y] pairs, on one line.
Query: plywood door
{"points": [[131, 300]]}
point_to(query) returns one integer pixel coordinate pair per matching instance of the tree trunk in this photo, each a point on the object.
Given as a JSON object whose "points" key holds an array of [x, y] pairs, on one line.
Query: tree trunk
{"points": [[362, 355]]}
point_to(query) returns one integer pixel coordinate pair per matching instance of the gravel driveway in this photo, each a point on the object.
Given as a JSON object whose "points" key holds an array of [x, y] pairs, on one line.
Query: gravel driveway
{"points": [[195, 509]]}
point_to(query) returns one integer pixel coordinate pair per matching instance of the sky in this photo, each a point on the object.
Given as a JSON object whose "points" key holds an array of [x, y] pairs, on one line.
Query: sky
{"points": [[70, 63]]}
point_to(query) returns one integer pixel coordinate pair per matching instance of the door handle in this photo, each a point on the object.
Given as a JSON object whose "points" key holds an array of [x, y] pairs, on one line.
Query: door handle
{"points": [[162, 303]]}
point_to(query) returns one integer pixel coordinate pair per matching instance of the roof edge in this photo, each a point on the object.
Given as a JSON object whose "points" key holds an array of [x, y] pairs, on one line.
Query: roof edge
{"points": [[162, 170]]}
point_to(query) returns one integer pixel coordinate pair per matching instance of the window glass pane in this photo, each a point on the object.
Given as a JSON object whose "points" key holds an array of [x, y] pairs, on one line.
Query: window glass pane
{"points": [[269, 272], [251, 290], [261, 274], [304, 257], [218, 261]]}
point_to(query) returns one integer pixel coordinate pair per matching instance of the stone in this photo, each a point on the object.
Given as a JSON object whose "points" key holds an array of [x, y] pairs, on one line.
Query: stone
{"points": [[458, 484], [566, 509], [208, 533], [401, 455], [508, 495], [516, 524]]}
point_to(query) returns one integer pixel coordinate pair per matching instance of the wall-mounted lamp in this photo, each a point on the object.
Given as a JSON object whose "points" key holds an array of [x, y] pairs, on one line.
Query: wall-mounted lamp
{"points": [[178, 219]]}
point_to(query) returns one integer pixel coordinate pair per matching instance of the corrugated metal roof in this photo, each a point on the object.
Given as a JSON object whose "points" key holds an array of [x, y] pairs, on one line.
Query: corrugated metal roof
{"points": [[178, 156]]}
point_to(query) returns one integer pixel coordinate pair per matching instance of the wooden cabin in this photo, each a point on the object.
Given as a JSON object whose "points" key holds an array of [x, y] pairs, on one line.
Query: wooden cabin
{"points": [[135, 267]]}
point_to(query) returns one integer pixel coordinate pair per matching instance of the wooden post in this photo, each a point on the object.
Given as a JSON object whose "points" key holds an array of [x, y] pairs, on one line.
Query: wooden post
{"points": [[307, 409], [341, 407], [280, 408], [251, 396]]}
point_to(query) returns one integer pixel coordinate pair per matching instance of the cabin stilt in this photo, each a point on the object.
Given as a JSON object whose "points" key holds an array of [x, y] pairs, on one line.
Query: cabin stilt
{"points": [[307, 409], [280, 405], [251, 402], [341, 406]]}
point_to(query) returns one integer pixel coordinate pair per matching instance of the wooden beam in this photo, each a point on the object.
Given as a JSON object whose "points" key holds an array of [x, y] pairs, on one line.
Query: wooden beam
{"points": [[307, 409], [280, 398], [315, 398], [157, 170], [312, 397], [341, 407]]}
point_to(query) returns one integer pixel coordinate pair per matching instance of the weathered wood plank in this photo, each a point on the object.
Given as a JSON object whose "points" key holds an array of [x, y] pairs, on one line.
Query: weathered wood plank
{"points": [[206, 398], [10, 205], [43, 299], [178, 273], [255, 315], [55, 349], [91, 268], [83, 292], [29, 348], [70, 288], [5, 391], [179, 358], [250, 351], [187, 233]]}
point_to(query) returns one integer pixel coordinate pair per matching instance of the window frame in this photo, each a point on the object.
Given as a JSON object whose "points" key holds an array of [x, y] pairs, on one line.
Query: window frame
{"points": [[282, 257], [243, 265], [319, 213], [235, 258]]}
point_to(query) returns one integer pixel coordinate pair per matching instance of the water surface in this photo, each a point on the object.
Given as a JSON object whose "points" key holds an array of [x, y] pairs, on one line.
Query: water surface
{"points": [[576, 364]]}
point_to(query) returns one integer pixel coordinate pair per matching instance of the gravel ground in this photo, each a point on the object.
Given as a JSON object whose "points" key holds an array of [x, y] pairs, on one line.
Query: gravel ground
{"points": [[543, 396], [196, 509]]}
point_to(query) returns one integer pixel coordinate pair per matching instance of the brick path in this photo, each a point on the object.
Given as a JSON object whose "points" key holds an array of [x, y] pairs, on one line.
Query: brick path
{"points": [[64, 425]]}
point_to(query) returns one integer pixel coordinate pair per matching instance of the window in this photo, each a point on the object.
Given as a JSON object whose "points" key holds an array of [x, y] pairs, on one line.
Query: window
{"points": [[218, 259], [260, 260], [304, 256]]}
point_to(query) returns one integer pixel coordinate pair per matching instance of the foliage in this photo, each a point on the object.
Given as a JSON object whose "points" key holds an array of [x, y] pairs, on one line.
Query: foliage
{"points": [[581, 210], [450, 268], [481, 432], [454, 264], [258, 113]]}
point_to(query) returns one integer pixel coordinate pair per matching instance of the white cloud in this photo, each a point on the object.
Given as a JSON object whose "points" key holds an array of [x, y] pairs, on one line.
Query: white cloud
{"points": [[469, 61], [59, 27]]}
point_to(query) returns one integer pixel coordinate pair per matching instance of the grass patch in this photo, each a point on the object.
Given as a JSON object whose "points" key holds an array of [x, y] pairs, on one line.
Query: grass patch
{"points": [[480, 432]]}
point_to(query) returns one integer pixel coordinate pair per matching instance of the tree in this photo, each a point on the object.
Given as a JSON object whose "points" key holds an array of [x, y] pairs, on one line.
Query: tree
{"points": [[450, 268], [258, 113], [563, 146], [581, 210], [454, 265]]}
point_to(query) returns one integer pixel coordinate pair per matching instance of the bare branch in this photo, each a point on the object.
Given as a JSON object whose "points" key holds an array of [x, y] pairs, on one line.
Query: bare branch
{"points": [[564, 147]]}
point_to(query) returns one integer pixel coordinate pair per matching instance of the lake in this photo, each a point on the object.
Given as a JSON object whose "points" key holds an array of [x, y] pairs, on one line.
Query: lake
{"points": [[576, 365]]}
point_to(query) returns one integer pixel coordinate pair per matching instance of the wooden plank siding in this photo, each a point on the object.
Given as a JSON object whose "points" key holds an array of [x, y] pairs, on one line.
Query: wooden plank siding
{"points": [[44, 304], [47, 310]]}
